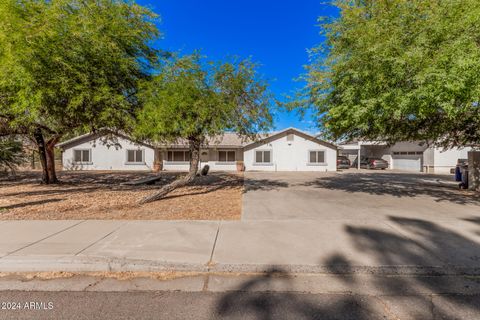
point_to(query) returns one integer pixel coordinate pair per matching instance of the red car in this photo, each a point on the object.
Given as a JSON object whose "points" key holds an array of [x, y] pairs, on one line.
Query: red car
{"points": [[343, 162], [374, 163]]}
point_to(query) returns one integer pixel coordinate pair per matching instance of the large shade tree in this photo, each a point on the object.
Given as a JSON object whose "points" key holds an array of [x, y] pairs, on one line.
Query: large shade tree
{"points": [[399, 70], [71, 65], [192, 100]]}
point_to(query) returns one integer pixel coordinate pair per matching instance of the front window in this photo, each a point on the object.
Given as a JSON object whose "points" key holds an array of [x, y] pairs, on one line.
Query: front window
{"points": [[263, 156], [135, 156], [317, 157], [178, 156], [226, 156], [82, 156]]}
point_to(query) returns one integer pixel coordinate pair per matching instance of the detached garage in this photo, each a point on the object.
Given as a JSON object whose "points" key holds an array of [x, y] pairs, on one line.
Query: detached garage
{"points": [[407, 156], [407, 160]]}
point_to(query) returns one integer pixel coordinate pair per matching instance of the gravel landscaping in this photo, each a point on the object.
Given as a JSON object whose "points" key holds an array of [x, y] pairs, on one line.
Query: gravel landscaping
{"points": [[104, 195]]}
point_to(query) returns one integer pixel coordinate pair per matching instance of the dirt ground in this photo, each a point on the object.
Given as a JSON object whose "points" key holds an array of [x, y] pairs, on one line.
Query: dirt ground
{"points": [[104, 195]]}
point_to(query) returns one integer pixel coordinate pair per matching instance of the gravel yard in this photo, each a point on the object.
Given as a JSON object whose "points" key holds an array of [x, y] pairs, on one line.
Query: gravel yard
{"points": [[103, 195]]}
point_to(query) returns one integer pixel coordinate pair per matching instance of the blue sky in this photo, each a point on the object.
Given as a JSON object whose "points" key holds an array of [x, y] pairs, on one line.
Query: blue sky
{"points": [[275, 34]]}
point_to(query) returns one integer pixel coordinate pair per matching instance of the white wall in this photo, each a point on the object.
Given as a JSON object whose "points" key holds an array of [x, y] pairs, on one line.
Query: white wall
{"points": [[291, 156], [444, 160], [104, 157], [210, 159]]}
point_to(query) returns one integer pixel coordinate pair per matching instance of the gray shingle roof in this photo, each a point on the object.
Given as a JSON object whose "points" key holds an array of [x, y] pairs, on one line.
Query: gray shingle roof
{"points": [[226, 140]]}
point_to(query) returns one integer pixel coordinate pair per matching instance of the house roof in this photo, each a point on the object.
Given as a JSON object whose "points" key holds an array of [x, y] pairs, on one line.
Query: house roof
{"points": [[97, 135], [278, 134], [226, 140]]}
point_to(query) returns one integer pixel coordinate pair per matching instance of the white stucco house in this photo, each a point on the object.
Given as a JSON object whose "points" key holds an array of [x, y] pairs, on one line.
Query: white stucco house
{"points": [[407, 156], [106, 151], [287, 150]]}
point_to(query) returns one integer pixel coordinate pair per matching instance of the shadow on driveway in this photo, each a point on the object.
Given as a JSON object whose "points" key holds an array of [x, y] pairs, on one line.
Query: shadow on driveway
{"points": [[440, 188], [408, 296]]}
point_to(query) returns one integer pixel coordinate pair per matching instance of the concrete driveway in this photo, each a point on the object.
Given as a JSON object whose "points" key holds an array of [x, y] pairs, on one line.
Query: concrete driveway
{"points": [[354, 195]]}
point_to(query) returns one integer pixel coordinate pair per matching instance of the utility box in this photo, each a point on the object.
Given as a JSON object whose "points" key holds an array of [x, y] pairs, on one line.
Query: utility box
{"points": [[474, 170]]}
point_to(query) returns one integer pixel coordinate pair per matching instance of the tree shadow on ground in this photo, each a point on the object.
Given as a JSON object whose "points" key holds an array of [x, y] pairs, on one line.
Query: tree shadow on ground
{"points": [[429, 254], [255, 299], [86, 182], [420, 274], [252, 184], [31, 203], [440, 188], [473, 220]]}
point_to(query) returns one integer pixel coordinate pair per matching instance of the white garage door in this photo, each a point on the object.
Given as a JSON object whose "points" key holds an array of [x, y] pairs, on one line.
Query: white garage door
{"points": [[407, 162]]}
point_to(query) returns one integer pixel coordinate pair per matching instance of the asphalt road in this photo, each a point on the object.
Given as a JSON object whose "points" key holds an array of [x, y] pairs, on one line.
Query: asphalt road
{"points": [[235, 305]]}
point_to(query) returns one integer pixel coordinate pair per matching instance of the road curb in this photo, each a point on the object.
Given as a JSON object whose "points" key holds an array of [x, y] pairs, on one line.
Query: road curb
{"points": [[101, 264]]}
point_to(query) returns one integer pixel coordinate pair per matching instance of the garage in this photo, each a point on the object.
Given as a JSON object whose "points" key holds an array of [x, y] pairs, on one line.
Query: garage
{"points": [[407, 161]]}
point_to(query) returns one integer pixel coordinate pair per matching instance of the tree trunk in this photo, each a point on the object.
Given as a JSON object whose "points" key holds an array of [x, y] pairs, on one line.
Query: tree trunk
{"points": [[38, 135], [194, 146], [50, 153]]}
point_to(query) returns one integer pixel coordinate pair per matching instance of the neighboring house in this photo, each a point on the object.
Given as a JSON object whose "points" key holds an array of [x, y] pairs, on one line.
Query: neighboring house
{"points": [[407, 156], [287, 150]]}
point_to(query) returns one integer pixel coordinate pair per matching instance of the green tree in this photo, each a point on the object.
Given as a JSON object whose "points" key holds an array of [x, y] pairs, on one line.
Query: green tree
{"points": [[399, 70], [72, 65], [192, 100], [11, 154]]}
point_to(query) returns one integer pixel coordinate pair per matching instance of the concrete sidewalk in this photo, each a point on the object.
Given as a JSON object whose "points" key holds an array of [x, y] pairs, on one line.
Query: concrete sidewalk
{"points": [[398, 246]]}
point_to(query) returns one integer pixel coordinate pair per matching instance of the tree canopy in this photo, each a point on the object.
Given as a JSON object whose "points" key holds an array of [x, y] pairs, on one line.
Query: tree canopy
{"points": [[192, 100], [399, 70], [70, 64]]}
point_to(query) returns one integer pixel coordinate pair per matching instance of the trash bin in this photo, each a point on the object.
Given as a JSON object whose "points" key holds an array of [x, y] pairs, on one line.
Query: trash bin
{"points": [[464, 184], [458, 173]]}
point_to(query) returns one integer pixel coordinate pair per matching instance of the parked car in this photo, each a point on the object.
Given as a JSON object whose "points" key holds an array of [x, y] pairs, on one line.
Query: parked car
{"points": [[373, 163], [363, 163], [343, 162]]}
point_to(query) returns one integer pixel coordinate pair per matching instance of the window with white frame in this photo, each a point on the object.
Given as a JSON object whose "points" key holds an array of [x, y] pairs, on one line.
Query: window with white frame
{"points": [[178, 156], [226, 156], [316, 157], [82, 156], [263, 156], [135, 156]]}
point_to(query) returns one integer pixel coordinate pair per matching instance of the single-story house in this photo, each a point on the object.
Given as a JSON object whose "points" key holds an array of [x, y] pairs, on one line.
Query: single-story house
{"points": [[106, 151], [287, 150], [406, 156]]}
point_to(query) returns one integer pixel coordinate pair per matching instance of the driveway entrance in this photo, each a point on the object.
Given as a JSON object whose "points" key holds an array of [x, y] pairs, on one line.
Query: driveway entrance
{"points": [[354, 195]]}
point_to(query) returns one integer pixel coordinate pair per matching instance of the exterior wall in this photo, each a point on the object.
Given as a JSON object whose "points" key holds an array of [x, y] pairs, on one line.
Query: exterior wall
{"points": [[291, 156], [429, 158], [105, 157], [474, 170], [207, 157], [444, 160]]}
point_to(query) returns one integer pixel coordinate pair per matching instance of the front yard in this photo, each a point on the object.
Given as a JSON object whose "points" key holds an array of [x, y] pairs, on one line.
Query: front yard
{"points": [[103, 195]]}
